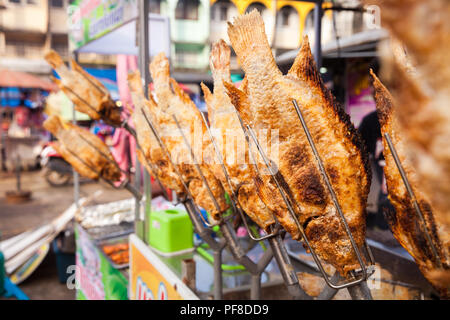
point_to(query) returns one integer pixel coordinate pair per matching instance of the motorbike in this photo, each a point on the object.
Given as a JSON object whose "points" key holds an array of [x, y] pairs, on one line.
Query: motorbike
{"points": [[57, 171]]}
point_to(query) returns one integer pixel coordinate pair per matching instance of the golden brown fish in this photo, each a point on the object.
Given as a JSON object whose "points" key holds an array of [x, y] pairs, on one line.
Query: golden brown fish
{"points": [[172, 100], [422, 97], [87, 93], [270, 107], [86, 152], [151, 150], [230, 139], [404, 222]]}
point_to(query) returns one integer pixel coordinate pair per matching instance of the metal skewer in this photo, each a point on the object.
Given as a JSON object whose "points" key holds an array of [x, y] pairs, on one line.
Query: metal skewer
{"points": [[413, 197]]}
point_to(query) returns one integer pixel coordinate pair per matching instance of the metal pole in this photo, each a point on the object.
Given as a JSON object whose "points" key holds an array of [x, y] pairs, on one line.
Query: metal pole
{"points": [[76, 177], [218, 281], [143, 7], [318, 12]]}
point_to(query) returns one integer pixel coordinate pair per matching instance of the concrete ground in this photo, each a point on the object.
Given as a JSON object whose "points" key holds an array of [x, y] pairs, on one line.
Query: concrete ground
{"points": [[47, 203]]}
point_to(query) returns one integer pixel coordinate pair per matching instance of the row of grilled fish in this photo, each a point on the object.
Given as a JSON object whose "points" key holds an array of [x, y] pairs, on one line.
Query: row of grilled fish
{"points": [[264, 102]]}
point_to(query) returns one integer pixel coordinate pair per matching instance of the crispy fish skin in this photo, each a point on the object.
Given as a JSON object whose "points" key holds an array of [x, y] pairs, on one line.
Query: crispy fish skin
{"points": [[227, 129], [270, 96], [75, 143], [172, 100], [422, 98], [404, 223], [151, 150], [83, 89]]}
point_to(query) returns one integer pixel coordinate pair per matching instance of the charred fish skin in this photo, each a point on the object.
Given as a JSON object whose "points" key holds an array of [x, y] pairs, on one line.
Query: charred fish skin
{"points": [[422, 98], [225, 123], [151, 150], [173, 101], [271, 95], [404, 222]]}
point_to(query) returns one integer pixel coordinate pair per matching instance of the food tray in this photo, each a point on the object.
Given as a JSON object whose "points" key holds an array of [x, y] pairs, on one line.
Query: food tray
{"points": [[112, 241]]}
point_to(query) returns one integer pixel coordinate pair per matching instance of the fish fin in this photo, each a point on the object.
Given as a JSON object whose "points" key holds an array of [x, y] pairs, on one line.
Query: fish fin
{"points": [[135, 82], [207, 94], [248, 38], [239, 100], [383, 99], [54, 59], [304, 66], [76, 67], [179, 92], [208, 99], [53, 124], [220, 60]]}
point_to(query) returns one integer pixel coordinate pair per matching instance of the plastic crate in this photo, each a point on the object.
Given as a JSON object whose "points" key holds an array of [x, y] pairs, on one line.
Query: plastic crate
{"points": [[63, 261]]}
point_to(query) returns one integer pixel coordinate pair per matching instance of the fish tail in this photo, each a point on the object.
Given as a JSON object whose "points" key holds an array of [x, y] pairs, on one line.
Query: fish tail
{"points": [[208, 99], [54, 59], [239, 100], [220, 60], [249, 40], [160, 68], [53, 124]]}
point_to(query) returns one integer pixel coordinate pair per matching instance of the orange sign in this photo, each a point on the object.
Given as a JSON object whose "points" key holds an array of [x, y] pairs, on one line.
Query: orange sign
{"points": [[151, 279]]}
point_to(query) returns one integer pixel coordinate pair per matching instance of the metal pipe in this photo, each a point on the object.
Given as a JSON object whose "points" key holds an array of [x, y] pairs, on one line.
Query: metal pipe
{"points": [[255, 289], [328, 292], [76, 176], [360, 291], [218, 281], [318, 12], [287, 270]]}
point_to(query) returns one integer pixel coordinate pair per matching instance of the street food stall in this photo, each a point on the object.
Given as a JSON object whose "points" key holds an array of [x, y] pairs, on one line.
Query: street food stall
{"points": [[211, 239]]}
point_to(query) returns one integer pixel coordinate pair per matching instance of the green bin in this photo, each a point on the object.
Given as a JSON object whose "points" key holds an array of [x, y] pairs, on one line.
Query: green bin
{"points": [[170, 231]]}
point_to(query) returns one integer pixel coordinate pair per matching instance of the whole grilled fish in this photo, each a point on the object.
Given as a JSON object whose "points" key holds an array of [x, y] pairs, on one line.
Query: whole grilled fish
{"points": [[269, 106], [86, 152], [173, 101], [150, 150], [423, 96], [230, 139], [87, 93], [404, 222]]}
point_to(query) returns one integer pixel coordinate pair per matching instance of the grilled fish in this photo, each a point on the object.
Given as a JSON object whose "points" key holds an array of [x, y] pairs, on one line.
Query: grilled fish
{"points": [[423, 96], [269, 106], [173, 101], [87, 93], [404, 222], [150, 150], [86, 152], [227, 131]]}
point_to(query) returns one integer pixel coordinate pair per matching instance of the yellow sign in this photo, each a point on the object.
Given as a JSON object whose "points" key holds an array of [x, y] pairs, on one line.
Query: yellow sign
{"points": [[151, 279]]}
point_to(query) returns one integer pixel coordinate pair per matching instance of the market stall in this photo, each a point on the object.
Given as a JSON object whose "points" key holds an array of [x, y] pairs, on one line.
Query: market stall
{"points": [[177, 250]]}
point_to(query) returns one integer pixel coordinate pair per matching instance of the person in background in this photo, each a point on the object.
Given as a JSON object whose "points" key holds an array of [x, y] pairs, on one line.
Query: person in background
{"points": [[371, 134]]}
